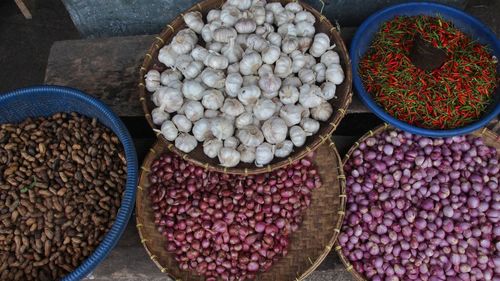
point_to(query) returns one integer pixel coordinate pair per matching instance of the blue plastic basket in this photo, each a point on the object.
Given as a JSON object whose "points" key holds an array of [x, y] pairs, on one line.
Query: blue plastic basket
{"points": [[468, 24], [40, 101]]}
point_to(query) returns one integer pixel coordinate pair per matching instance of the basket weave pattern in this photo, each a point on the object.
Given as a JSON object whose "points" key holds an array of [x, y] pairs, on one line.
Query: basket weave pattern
{"points": [[489, 137], [197, 157], [309, 245]]}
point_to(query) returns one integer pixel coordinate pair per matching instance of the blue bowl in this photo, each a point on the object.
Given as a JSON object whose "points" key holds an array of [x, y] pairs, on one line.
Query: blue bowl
{"points": [[40, 101], [466, 23]]}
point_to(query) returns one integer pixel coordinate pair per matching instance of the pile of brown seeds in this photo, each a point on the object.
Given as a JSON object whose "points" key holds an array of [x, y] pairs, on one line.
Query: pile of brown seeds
{"points": [[61, 182]]}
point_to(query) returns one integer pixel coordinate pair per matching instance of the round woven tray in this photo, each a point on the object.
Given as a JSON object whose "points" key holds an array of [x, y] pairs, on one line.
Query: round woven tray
{"points": [[489, 137], [309, 245], [197, 157]]}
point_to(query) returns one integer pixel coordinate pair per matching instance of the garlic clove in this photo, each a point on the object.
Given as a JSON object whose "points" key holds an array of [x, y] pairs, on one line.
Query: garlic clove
{"points": [[250, 80], [185, 142], [287, 29], [275, 7], [265, 69], [256, 42]]}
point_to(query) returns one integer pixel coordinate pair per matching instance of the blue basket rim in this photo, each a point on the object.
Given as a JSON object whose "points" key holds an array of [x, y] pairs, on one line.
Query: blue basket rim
{"points": [[379, 111], [128, 199]]}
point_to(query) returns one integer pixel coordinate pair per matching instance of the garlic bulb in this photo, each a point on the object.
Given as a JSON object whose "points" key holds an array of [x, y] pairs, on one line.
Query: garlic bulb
{"points": [[216, 61], [241, 4], [194, 21], [305, 29], [250, 135], [274, 38], [320, 70], [274, 130], [283, 18], [310, 96], [247, 154], [292, 81], [169, 131], [250, 63], [291, 114], [304, 44], [215, 46], [283, 149], [185, 142], [193, 89], [270, 95], [307, 76], [190, 69], [283, 67], [293, 7], [213, 15], [152, 79], [222, 128], [182, 60], [233, 68], [209, 113], [265, 69], [212, 99], [289, 94], [184, 41], [232, 51], [264, 154], [320, 44], [224, 34], [249, 95], [193, 110], [158, 115], [230, 15], [322, 112], [241, 40], [201, 129], [264, 109], [271, 54], [211, 147], [335, 74], [264, 30], [245, 25], [243, 120], [256, 42], [229, 157], [231, 142], [289, 44], [297, 136], [250, 80], [328, 90], [232, 107], [169, 99], [182, 123], [169, 76], [269, 17], [287, 29], [167, 56], [310, 61], [269, 83], [175, 84], [206, 33], [304, 16], [298, 61], [233, 84], [213, 78], [309, 125], [330, 57], [275, 7], [259, 14]]}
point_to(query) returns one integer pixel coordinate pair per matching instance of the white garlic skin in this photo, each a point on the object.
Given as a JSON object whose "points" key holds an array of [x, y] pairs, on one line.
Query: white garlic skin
{"points": [[190, 69], [248, 95], [335, 74], [269, 83], [216, 61], [259, 14], [212, 99], [330, 57], [169, 99], [194, 21], [247, 154], [158, 116], [169, 76], [264, 154], [322, 112], [232, 52], [307, 76], [283, 18], [309, 97], [283, 149], [185, 142], [320, 44], [256, 42], [232, 107], [269, 17], [209, 113], [310, 125], [264, 109], [292, 81], [233, 68], [250, 135], [250, 63], [184, 41], [243, 120], [289, 44], [304, 16], [231, 142], [320, 71], [169, 131], [213, 78], [201, 129], [264, 30], [274, 130], [287, 29], [192, 89], [289, 94], [274, 38], [211, 147], [241, 4], [328, 90], [206, 33], [293, 7], [305, 29], [224, 34], [304, 44], [233, 84], [283, 67], [271, 54], [213, 15], [298, 61], [245, 26], [229, 15], [269, 95], [193, 110], [297, 136], [291, 114], [249, 80], [167, 56], [182, 123], [229, 157], [152, 79], [215, 46], [310, 61], [265, 69], [222, 128], [275, 7]]}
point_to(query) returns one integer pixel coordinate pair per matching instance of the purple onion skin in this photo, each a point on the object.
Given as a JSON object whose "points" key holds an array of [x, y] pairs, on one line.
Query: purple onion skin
{"points": [[423, 209]]}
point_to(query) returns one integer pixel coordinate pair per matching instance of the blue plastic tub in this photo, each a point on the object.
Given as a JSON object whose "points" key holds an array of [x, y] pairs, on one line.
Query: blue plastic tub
{"points": [[468, 24], [40, 101]]}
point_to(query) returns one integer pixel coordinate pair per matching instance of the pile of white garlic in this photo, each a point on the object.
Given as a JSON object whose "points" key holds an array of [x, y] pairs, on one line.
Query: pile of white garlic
{"points": [[256, 90]]}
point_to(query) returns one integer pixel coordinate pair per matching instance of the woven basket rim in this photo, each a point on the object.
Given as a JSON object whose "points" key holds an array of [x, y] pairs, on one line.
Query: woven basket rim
{"points": [[153, 154], [331, 124], [484, 132]]}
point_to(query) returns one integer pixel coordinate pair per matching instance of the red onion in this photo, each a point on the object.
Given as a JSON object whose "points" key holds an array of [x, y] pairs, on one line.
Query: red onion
{"points": [[422, 208]]}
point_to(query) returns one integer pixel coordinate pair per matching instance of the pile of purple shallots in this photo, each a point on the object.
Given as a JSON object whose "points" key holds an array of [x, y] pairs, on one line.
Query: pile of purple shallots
{"points": [[228, 226], [423, 209]]}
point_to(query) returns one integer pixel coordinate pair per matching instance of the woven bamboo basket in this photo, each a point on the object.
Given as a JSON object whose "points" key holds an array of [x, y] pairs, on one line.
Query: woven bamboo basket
{"points": [[309, 245], [197, 157], [489, 137]]}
